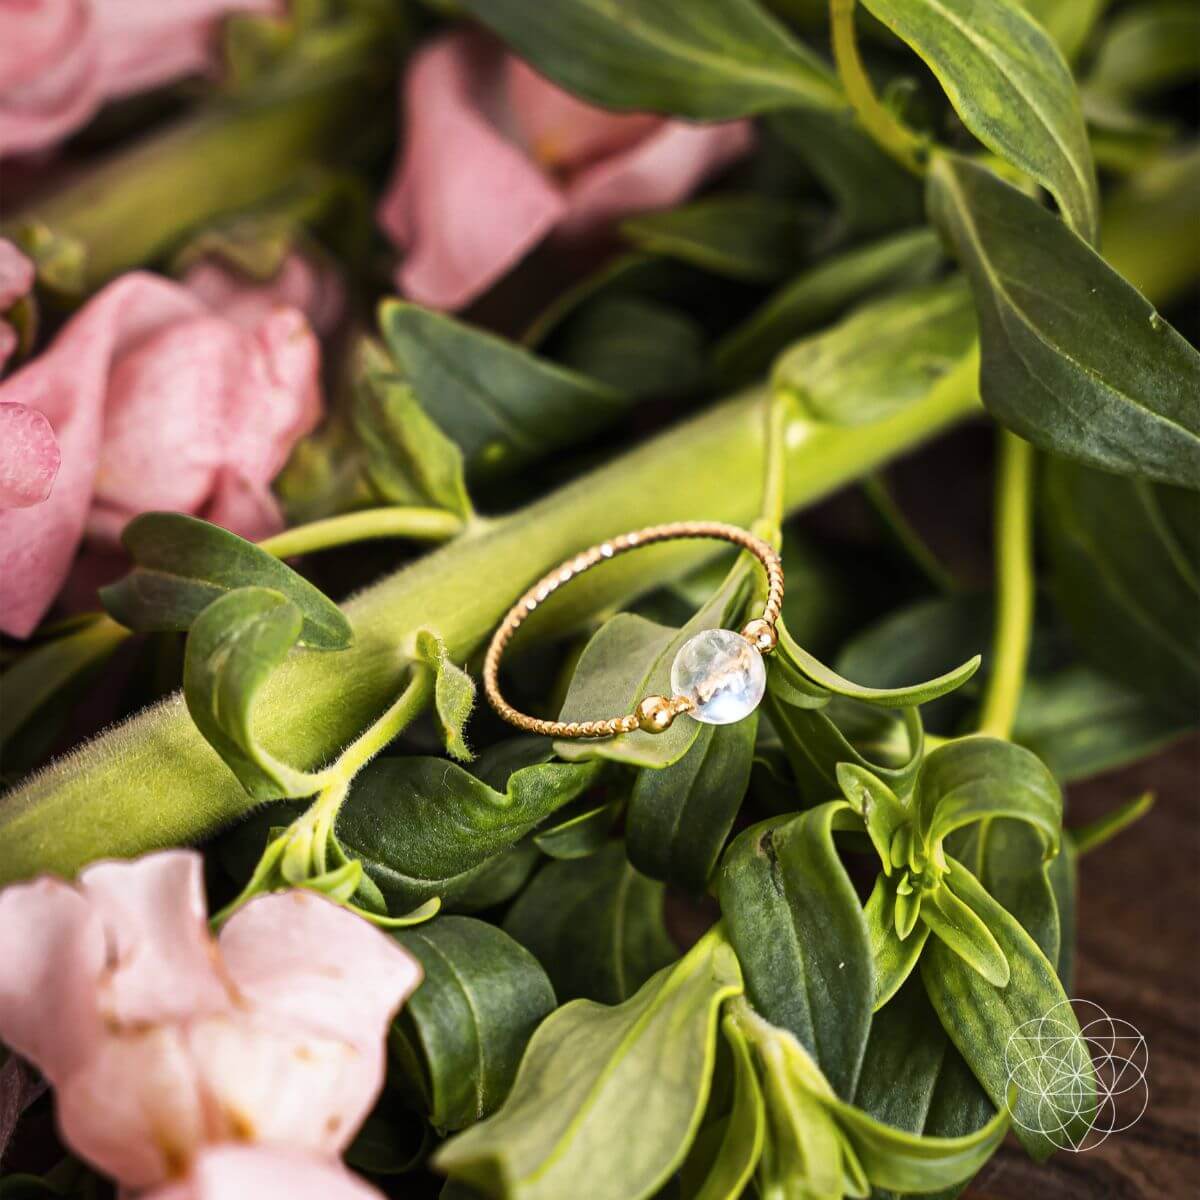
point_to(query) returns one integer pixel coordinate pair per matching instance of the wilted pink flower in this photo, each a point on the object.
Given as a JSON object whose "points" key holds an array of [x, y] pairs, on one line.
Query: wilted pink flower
{"points": [[160, 1041], [303, 281], [496, 157], [234, 1172], [61, 59], [156, 402], [16, 281]]}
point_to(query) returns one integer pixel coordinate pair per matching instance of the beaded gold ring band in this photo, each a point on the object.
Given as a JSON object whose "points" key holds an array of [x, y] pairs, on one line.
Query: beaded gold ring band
{"points": [[718, 676]]}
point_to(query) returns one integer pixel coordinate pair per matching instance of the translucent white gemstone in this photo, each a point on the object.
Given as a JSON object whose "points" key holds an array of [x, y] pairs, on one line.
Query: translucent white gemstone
{"points": [[722, 673]]}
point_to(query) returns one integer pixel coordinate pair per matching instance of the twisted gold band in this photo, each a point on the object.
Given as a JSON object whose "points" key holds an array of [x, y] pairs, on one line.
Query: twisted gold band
{"points": [[653, 713]]}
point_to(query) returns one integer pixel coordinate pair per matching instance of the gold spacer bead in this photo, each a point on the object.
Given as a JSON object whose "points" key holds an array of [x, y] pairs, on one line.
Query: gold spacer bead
{"points": [[761, 635], [655, 714]]}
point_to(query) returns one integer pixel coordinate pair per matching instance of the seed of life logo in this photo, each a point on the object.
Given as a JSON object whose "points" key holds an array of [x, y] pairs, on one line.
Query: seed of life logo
{"points": [[1085, 1087]]}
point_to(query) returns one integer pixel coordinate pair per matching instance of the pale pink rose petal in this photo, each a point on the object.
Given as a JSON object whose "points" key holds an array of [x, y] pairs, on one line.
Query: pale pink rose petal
{"points": [[464, 203], [52, 952], [248, 508], [17, 272], [8, 341], [68, 384], [660, 171], [162, 963], [252, 1173], [315, 288], [308, 962], [29, 456], [561, 131]]}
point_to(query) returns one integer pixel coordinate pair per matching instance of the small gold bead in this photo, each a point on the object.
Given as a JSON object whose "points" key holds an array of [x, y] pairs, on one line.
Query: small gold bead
{"points": [[761, 635], [655, 714]]}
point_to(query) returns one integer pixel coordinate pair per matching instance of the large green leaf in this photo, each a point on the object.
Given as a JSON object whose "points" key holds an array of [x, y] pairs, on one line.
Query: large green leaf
{"points": [[424, 827], [1126, 570], [709, 59], [795, 921], [235, 644], [595, 924], [635, 1077], [1068, 22], [1011, 87], [679, 817], [183, 564], [1074, 359], [502, 405], [883, 357], [982, 1019], [820, 293], [460, 1036], [752, 237]]}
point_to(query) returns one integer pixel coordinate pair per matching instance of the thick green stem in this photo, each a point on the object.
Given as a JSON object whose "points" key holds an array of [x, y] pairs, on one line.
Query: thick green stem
{"points": [[154, 781], [1014, 586], [419, 524]]}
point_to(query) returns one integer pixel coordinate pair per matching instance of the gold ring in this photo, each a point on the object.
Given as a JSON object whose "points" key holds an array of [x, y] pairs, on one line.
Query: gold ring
{"points": [[716, 681]]}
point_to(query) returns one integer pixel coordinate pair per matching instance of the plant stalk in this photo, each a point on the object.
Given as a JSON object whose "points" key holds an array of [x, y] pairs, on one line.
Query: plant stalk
{"points": [[419, 524]]}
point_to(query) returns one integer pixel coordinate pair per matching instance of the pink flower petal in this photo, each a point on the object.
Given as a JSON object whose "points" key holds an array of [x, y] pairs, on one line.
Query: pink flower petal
{"points": [[52, 952], [68, 384], [29, 456], [561, 131], [251, 1173], [312, 964], [162, 963], [17, 274], [463, 203], [249, 509], [658, 172]]}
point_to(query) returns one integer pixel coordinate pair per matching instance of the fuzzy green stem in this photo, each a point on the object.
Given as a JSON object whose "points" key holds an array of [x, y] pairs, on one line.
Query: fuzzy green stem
{"points": [[154, 781], [1014, 585], [892, 136], [419, 524]]}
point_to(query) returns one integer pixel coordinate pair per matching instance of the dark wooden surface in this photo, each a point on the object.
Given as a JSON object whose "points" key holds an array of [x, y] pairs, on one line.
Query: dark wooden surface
{"points": [[1139, 959]]}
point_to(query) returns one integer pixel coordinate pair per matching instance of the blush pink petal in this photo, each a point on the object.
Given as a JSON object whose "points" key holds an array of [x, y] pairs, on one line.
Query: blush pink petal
{"points": [[464, 204], [16, 273], [52, 952], [240, 504], [316, 966], [250, 1173], [68, 384], [162, 963], [29, 456], [659, 172], [561, 131]]}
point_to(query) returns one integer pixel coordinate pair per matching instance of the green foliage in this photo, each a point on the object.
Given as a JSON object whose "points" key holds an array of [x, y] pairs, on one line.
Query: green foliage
{"points": [[460, 1036], [453, 693], [184, 564]]}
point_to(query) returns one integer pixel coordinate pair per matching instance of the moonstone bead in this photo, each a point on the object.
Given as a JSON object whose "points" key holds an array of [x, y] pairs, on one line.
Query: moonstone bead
{"points": [[722, 673]]}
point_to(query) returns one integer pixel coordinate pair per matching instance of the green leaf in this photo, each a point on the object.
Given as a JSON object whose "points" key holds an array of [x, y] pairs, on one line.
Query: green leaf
{"points": [[579, 830], [235, 644], [882, 811], [409, 459], [978, 778], [503, 406], [1126, 575], [453, 693], [635, 1076], [595, 924], [392, 1140], [981, 1019], [1068, 22], [956, 924], [679, 817], [791, 656], [819, 294], [872, 192], [1011, 87], [893, 957], [1146, 48], [795, 921], [465, 1028], [751, 237], [183, 564], [1074, 359], [883, 357], [641, 347], [425, 827], [720, 1166], [629, 658], [710, 61]]}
